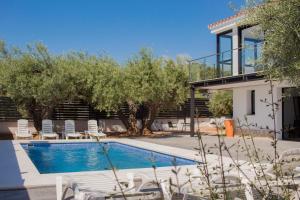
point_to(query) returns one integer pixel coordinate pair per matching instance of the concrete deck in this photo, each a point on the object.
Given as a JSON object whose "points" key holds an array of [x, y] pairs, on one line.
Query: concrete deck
{"points": [[41, 193], [262, 144]]}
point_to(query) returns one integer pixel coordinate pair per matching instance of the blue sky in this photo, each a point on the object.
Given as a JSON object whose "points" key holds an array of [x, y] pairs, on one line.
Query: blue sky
{"points": [[118, 28]]}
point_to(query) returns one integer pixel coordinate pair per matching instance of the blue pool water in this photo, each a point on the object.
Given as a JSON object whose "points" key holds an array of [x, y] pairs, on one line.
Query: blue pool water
{"points": [[88, 156]]}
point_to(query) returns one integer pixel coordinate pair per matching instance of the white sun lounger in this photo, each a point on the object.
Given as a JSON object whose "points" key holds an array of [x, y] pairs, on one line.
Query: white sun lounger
{"points": [[23, 130], [103, 186], [70, 130], [47, 130], [93, 130], [289, 162]]}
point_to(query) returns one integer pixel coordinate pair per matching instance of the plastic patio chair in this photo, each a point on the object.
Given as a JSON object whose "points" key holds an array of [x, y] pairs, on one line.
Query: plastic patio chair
{"points": [[100, 186], [70, 130], [289, 162], [47, 130], [23, 130], [93, 130]]}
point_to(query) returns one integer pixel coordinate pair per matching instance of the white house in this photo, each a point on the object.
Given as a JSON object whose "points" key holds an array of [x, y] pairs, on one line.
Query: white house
{"points": [[234, 67]]}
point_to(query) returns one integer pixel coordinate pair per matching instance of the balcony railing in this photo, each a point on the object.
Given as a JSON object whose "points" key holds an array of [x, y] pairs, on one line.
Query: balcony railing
{"points": [[241, 61]]}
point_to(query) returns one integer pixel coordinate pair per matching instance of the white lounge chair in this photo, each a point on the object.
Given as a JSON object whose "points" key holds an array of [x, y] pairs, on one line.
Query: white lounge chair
{"points": [[289, 163], [101, 186], [47, 130], [93, 130], [70, 130], [23, 130]]}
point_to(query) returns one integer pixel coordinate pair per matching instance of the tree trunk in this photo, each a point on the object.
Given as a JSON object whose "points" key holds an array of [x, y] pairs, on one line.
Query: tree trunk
{"points": [[36, 116], [123, 118], [133, 129], [153, 110], [38, 113]]}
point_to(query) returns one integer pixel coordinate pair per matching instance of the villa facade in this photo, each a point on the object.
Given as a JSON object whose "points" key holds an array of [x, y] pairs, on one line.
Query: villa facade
{"points": [[235, 66]]}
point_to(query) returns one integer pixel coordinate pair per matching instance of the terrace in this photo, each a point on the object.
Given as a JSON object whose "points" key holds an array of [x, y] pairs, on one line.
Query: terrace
{"points": [[239, 62]]}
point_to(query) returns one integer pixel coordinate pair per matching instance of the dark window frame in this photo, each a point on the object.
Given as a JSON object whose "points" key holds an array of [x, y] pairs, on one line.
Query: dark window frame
{"points": [[219, 53], [252, 101]]}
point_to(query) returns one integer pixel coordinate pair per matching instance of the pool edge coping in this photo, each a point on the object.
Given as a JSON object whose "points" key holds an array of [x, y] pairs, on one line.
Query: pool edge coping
{"points": [[32, 178]]}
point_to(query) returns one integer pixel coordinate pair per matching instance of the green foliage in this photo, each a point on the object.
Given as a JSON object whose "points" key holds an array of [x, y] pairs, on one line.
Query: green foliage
{"points": [[220, 103], [280, 21], [100, 82], [154, 80], [154, 83], [36, 80], [200, 71]]}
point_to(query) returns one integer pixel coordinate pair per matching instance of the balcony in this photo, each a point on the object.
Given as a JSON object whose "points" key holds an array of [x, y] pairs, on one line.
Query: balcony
{"points": [[229, 63]]}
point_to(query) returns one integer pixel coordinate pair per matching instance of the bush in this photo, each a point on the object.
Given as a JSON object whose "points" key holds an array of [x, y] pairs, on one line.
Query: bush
{"points": [[220, 103]]}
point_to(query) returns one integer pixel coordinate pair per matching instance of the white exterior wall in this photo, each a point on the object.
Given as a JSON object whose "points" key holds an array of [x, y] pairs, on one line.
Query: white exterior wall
{"points": [[242, 105]]}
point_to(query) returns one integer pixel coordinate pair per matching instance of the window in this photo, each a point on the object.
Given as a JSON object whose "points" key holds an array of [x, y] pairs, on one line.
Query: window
{"points": [[224, 51], [251, 39], [251, 110]]}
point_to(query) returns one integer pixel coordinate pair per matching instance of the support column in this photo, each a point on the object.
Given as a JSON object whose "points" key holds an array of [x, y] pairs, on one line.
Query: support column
{"points": [[235, 51], [192, 113]]}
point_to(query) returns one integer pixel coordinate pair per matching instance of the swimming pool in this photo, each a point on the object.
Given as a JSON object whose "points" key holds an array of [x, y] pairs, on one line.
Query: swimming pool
{"points": [[91, 156]]}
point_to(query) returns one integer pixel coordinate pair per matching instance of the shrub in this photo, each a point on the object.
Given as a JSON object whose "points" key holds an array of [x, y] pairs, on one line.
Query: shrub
{"points": [[220, 103]]}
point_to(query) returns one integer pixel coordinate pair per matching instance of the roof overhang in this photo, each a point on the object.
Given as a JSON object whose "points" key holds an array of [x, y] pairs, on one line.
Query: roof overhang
{"points": [[227, 23]]}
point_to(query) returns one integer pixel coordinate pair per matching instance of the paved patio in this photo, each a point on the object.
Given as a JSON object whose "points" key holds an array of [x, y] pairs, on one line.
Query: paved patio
{"points": [[262, 144]]}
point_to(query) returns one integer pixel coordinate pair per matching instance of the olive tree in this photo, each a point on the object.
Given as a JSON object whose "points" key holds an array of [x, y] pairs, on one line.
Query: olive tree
{"points": [[35, 80], [153, 83], [103, 85], [280, 22], [145, 83]]}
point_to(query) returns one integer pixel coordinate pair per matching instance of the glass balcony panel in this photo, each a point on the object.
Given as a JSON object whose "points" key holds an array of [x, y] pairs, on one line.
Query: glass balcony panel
{"points": [[225, 64], [211, 67], [250, 56], [251, 43], [203, 68], [220, 65]]}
